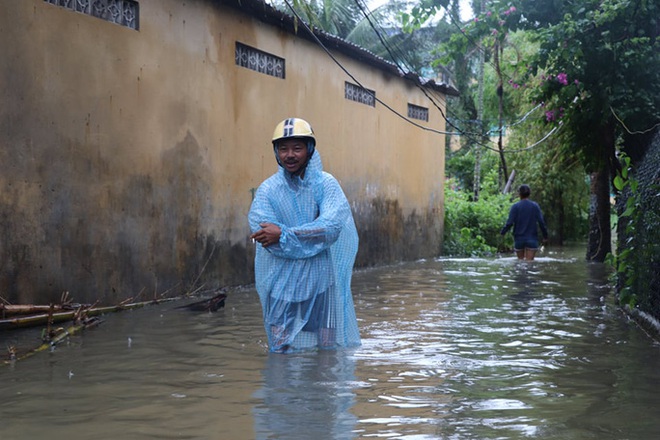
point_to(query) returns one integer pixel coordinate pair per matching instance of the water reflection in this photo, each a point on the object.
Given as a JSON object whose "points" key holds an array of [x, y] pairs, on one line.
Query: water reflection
{"points": [[496, 348], [307, 395], [453, 349]]}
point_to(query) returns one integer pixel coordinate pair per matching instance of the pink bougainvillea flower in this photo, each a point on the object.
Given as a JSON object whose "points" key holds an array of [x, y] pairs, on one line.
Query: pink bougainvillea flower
{"points": [[562, 78]]}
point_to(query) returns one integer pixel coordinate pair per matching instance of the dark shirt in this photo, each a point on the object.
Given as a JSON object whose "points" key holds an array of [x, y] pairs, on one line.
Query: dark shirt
{"points": [[524, 216]]}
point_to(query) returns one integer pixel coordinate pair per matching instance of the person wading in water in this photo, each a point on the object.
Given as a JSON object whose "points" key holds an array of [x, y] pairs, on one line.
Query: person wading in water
{"points": [[307, 242], [524, 216]]}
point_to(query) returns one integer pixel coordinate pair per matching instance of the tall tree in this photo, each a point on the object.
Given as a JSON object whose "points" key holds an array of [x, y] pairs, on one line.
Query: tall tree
{"points": [[599, 71], [337, 17], [602, 65], [379, 30]]}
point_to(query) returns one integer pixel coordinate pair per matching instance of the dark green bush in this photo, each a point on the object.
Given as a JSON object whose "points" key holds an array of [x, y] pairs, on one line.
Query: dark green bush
{"points": [[473, 228]]}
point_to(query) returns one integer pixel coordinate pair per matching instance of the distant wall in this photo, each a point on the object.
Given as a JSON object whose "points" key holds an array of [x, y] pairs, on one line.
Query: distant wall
{"points": [[128, 158]]}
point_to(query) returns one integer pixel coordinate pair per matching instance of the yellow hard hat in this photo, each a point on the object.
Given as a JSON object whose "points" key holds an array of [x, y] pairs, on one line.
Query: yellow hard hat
{"points": [[293, 128]]}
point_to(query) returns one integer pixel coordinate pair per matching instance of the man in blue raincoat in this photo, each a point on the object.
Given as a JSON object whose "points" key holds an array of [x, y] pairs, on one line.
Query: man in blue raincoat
{"points": [[306, 246]]}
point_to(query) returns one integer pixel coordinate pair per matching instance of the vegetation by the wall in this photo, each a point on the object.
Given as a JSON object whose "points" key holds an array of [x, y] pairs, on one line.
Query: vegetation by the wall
{"points": [[558, 184], [638, 247], [472, 228]]}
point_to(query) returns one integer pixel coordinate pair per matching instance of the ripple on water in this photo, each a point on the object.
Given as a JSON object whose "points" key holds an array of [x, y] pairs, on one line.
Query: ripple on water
{"points": [[456, 349]]}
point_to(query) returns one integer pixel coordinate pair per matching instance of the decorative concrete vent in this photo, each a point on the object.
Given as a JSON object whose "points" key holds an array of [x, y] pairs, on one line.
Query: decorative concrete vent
{"points": [[359, 94], [417, 112], [122, 12], [259, 61]]}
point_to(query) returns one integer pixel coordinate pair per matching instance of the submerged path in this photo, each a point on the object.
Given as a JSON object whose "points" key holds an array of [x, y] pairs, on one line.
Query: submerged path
{"points": [[452, 349]]}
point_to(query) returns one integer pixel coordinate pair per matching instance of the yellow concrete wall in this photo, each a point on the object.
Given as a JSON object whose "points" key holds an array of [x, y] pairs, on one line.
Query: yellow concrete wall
{"points": [[128, 158]]}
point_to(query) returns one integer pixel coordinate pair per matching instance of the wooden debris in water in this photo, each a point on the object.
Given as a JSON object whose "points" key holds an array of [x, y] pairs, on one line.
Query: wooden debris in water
{"points": [[208, 305]]}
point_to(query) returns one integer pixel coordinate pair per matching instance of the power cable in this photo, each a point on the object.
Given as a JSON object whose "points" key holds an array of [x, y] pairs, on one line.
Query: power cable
{"points": [[367, 15], [627, 129], [460, 131], [320, 43]]}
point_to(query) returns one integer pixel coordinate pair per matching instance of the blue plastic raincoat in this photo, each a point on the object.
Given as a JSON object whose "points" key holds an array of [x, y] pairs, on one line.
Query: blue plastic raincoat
{"points": [[304, 281]]}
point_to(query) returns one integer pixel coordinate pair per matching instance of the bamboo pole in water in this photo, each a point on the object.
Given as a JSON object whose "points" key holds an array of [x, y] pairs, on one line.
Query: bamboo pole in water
{"points": [[43, 318], [83, 317], [58, 336], [29, 309]]}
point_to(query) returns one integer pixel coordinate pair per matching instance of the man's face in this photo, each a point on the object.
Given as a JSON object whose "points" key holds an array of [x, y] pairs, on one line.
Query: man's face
{"points": [[292, 154]]}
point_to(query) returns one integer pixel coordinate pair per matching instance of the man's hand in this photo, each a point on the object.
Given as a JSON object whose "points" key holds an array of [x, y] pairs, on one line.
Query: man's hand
{"points": [[269, 234]]}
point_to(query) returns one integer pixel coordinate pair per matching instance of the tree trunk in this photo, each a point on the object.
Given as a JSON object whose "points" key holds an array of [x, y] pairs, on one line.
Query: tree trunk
{"points": [[600, 231], [480, 114], [476, 188], [498, 51], [561, 218], [600, 234]]}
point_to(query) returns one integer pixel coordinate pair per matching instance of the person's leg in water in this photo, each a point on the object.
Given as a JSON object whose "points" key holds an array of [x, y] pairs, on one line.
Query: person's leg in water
{"points": [[530, 254], [327, 337], [526, 249], [519, 248], [320, 320], [531, 247], [279, 328], [279, 336]]}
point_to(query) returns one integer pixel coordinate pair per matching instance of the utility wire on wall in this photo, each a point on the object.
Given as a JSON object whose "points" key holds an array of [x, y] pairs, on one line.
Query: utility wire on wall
{"points": [[367, 15], [394, 58], [327, 51], [459, 132]]}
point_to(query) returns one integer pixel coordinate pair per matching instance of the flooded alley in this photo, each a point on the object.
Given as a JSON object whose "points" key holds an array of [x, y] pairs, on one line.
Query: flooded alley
{"points": [[451, 349]]}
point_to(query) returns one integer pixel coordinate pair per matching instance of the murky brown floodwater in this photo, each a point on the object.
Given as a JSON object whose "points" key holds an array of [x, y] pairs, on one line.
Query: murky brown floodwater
{"points": [[452, 349]]}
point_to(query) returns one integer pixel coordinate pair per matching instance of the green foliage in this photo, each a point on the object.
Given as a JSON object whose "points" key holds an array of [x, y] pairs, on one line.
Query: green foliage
{"points": [[556, 175], [473, 228], [624, 261], [460, 167], [379, 31], [594, 58], [638, 251], [337, 17], [596, 72], [421, 13], [608, 54], [516, 91]]}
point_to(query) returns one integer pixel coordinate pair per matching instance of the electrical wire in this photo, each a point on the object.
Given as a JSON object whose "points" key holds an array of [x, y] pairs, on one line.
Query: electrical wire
{"points": [[367, 14], [537, 143], [327, 51], [460, 131], [476, 138], [627, 129]]}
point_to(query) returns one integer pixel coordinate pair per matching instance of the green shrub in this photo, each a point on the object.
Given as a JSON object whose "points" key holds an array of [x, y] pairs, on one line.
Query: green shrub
{"points": [[473, 228]]}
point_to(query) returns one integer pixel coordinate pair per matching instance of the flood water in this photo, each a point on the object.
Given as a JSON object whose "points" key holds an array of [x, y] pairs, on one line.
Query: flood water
{"points": [[452, 349]]}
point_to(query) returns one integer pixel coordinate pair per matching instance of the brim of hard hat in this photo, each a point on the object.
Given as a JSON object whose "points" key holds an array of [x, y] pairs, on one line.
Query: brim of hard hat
{"points": [[295, 137]]}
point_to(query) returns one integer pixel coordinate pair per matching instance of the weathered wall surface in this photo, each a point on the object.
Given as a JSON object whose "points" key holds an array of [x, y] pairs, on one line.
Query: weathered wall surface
{"points": [[128, 158]]}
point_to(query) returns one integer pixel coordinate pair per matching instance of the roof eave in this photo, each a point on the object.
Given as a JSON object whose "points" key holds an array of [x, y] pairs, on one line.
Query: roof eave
{"points": [[268, 14]]}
